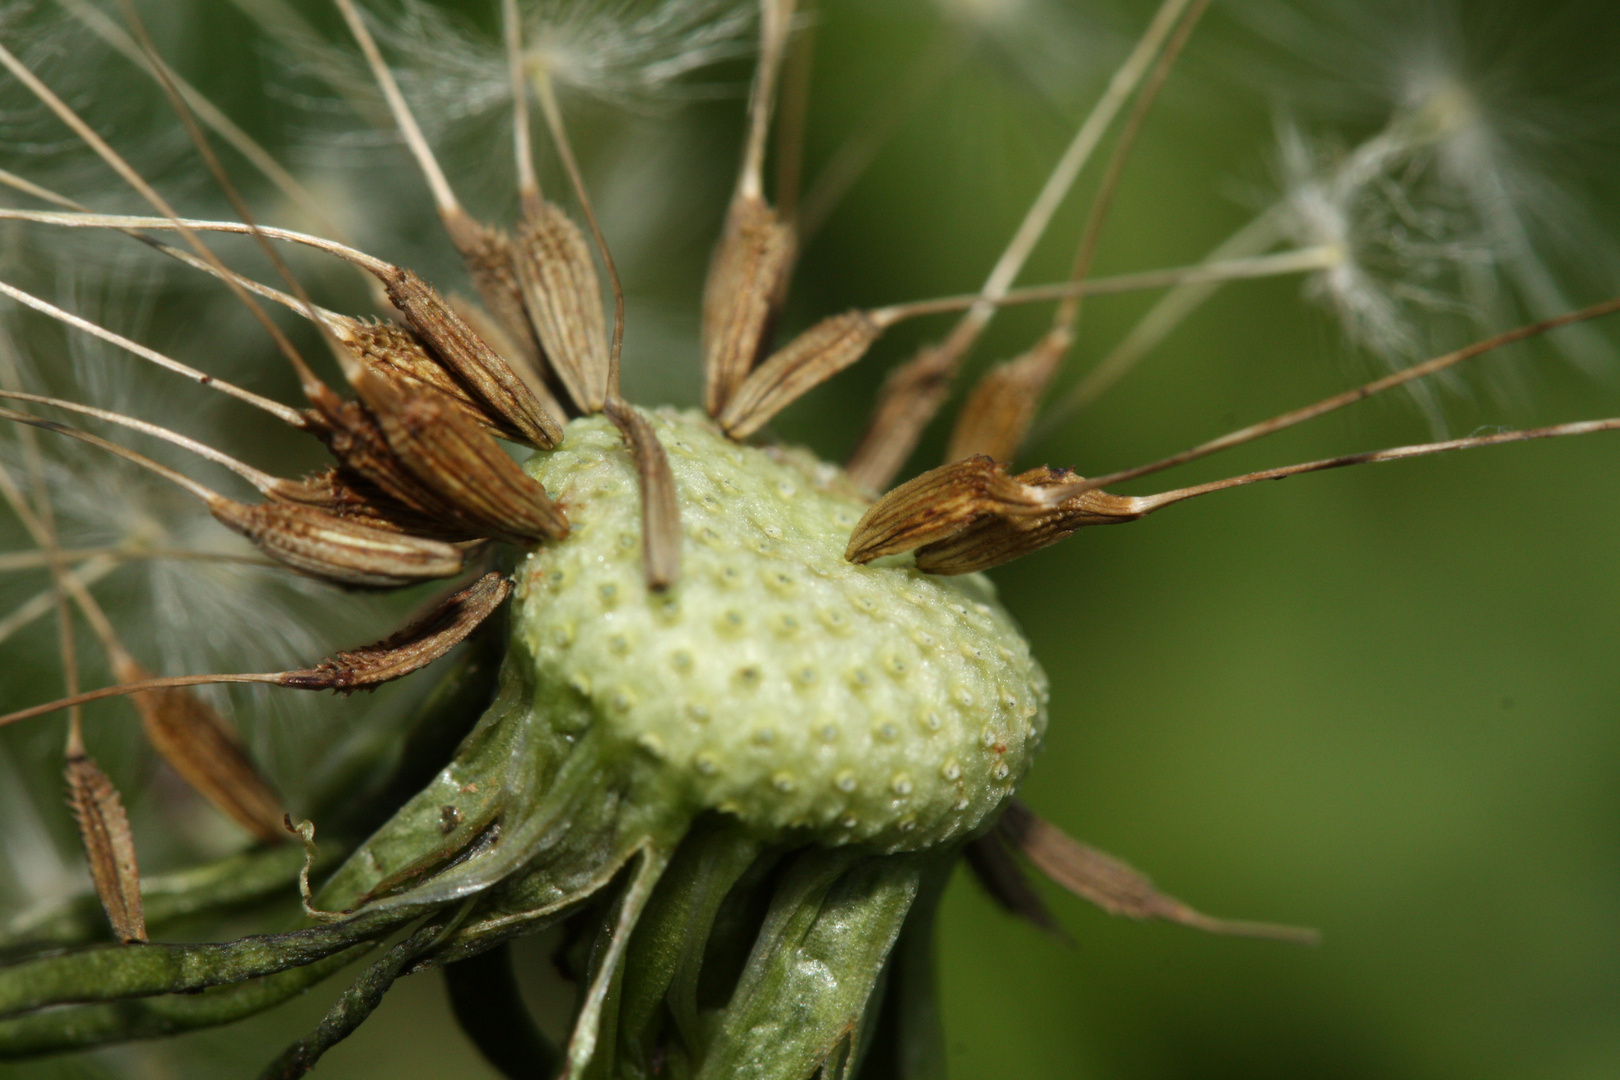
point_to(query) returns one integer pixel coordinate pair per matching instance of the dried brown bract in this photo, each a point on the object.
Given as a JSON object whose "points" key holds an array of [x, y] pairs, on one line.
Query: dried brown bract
{"points": [[1113, 886], [660, 508], [412, 648]]}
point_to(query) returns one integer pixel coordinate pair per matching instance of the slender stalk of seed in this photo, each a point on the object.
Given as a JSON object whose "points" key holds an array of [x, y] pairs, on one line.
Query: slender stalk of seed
{"points": [[209, 113], [274, 408], [1171, 311], [123, 553], [792, 122], [125, 171], [444, 197], [997, 536], [40, 522], [1397, 453], [1339, 401], [1115, 887], [522, 143], [775, 24], [916, 390], [753, 260], [98, 812], [836, 342], [376, 266], [427, 639], [996, 416], [1299, 260], [41, 603], [300, 537], [261, 480]]}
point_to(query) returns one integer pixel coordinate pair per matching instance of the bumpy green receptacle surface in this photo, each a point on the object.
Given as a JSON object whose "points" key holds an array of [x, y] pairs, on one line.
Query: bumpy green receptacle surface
{"points": [[776, 681]]}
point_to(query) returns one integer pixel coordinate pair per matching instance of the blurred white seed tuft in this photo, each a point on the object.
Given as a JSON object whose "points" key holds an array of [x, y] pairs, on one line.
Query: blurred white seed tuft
{"points": [[1452, 212]]}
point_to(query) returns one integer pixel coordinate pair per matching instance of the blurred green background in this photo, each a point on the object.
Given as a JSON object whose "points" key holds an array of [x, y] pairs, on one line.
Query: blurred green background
{"points": [[1383, 702]]}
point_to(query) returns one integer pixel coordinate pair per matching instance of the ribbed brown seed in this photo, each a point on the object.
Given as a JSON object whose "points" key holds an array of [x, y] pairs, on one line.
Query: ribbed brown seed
{"points": [[355, 438], [970, 515], [994, 539], [660, 506], [412, 648], [344, 552], [461, 466], [489, 256], [200, 746], [938, 504], [810, 359], [396, 353], [108, 845], [563, 299], [906, 402], [490, 378], [533, 370], [997, 414], [348, 495], [746, 284]]}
